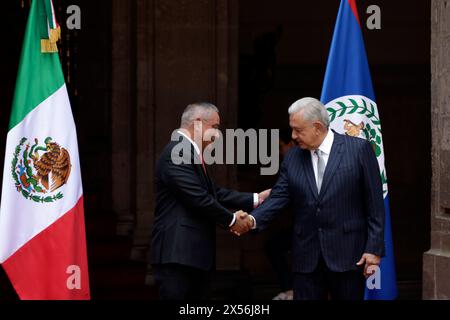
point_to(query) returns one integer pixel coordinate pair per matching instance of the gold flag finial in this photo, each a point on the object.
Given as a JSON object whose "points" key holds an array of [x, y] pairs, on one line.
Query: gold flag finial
{"points": [[49, 45]]}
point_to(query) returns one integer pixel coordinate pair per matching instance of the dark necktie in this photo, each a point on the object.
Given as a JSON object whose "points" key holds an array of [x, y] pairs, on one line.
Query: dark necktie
{"points": [[204, 167]]}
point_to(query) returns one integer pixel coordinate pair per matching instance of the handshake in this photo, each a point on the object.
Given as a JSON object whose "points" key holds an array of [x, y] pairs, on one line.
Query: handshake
{"points": [[244, 222]]}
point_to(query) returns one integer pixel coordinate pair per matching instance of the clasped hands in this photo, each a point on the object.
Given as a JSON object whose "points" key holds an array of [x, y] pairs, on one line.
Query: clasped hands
{"points": [[244, 222]]}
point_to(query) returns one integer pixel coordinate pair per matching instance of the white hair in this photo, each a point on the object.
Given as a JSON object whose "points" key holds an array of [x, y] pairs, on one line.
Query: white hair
{"points": [[196, 110], [312, 109]]}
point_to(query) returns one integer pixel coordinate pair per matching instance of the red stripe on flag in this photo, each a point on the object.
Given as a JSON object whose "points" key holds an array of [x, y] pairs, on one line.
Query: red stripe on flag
{"points": [[352, 4], [49, 266]]}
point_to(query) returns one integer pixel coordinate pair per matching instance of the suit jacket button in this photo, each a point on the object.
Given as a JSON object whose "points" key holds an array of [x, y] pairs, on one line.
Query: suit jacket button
{"points": [[318, 210], [320, 229]]}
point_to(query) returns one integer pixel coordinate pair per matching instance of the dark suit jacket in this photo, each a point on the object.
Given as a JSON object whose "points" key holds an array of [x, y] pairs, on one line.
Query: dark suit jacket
{"points": [[342, 222], [188, 207]]}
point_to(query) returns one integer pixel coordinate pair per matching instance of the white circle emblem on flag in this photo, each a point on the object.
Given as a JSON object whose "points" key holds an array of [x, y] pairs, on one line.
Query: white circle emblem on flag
{"points": [[357, 116]]}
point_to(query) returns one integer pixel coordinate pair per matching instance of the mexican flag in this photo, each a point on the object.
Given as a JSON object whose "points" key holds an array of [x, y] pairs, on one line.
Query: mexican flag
{"points": [[42, 233]]}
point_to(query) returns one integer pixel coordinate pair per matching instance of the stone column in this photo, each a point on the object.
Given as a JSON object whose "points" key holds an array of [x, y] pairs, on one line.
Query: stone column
{"points": [[144, 126], [228, 256], [122, 116], [436, 261]]}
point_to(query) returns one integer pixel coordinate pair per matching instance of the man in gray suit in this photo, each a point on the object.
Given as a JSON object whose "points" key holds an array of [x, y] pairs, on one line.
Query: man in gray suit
{"points": [[333, 182]]}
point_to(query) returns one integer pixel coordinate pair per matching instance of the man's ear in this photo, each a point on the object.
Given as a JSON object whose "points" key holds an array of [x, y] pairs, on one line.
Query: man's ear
{"points": [[317, 125]]}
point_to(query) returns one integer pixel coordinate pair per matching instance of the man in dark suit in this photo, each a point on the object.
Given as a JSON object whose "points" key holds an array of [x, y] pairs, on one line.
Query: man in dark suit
{"points": [[189, 206], [333, 182]]}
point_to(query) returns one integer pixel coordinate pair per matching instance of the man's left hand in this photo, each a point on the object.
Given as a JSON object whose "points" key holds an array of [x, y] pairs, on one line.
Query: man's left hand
{"points": [[370, 260]]}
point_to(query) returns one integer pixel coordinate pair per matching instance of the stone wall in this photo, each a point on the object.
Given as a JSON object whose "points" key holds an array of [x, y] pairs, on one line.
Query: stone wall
{"points": [[436, 262]]}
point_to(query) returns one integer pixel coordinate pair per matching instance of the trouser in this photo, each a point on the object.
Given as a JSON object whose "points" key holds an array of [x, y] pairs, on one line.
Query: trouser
{"points": [[323, 283]]}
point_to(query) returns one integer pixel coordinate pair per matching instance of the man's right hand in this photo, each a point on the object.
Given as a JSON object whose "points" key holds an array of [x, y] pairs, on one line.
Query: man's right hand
{"points": [[242, 224]]}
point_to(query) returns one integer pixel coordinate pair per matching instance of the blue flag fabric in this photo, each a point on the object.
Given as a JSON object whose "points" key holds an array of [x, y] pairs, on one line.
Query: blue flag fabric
{"points": [[350, 100]]}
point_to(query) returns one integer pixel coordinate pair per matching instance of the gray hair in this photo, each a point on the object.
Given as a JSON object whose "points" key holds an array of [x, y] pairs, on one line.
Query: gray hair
{"points": [[196, 110], [312, 109]]}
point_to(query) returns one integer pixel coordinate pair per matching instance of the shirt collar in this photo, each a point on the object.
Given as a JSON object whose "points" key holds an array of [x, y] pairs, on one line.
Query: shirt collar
{"points": [[327, 143], [197, 149]]}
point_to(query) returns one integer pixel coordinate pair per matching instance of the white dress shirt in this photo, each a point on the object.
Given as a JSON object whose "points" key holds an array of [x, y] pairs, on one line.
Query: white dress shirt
{"points": [[325, 147], [197, 150]]}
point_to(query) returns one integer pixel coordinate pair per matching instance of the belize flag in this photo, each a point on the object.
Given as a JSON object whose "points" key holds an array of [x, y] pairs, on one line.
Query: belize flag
{"points": [[350, 100]]}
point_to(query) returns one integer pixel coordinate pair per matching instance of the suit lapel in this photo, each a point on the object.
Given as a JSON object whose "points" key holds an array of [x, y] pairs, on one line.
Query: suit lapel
{"points": [[199, 166], [196, 162], [209, 181], [206, 176], [333, 162], [309, 172], [203, 173]]}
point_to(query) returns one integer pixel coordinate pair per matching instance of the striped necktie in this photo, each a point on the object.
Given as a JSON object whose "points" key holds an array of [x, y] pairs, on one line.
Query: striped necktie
{"points": [[320, 168]]}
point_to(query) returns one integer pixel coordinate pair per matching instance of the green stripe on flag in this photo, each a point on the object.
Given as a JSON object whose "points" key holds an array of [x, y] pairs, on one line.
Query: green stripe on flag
{"points": [[40, 74], [48, 10]]}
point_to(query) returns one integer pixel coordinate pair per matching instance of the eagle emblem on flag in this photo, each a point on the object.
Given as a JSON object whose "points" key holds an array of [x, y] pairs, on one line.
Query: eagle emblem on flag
{"points": [[40, 170]]}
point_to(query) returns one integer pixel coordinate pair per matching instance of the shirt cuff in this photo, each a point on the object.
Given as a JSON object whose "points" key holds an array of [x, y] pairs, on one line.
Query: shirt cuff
{"points": [[255, 200], [233, 221], [254, 221]]}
